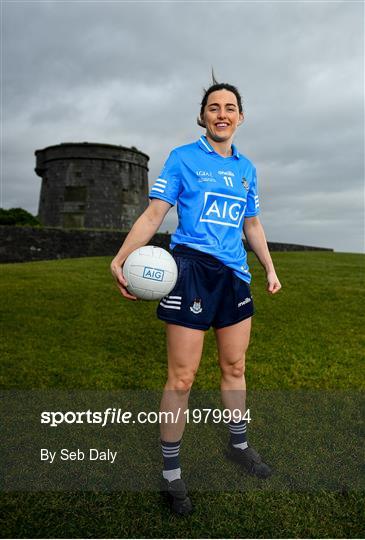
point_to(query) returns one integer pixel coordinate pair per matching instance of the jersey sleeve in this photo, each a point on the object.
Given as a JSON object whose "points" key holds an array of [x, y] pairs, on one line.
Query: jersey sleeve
{"points": [[253, 204], [167, 186]]}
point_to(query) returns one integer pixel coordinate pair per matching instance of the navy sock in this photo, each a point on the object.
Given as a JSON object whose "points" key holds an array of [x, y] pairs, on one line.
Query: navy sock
{"points": [[238, 433], [171, 460]]}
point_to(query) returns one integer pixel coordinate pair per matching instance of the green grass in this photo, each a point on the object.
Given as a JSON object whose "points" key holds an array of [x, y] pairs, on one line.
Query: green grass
{"points": [[66, 326]]}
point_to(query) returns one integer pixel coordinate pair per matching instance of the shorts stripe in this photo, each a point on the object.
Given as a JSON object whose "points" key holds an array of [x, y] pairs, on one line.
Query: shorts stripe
{"points": [[168, 306]]}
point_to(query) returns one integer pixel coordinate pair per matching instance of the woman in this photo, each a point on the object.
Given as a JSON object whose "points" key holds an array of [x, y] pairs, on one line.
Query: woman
{"points": [[215, 188]]}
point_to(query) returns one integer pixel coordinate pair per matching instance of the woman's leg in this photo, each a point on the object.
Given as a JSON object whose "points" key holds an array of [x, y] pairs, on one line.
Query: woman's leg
{"points": [[232, 343], [184, 350]]}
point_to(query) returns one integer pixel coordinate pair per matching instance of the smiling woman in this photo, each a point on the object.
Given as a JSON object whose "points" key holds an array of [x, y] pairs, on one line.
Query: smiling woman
{"points": [[215, 189], [220, 115]]}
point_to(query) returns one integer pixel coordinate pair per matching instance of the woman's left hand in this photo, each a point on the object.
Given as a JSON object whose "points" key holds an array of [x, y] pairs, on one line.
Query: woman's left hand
{"points": [[273, 283]]}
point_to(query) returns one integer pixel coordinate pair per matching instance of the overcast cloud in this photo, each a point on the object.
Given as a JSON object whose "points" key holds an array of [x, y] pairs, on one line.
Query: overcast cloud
{"points": [[132, 73]]}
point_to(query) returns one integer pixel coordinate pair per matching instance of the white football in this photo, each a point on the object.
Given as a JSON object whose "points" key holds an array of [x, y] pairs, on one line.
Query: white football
{"points": [[151, 272]]}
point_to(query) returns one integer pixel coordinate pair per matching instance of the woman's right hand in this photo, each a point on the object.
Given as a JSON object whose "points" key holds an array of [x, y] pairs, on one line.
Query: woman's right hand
{"points": [[140, 234], [117, 272]]}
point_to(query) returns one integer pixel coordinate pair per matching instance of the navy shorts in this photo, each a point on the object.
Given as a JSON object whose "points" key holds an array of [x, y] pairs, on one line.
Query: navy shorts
{"points": [[207, 293]]}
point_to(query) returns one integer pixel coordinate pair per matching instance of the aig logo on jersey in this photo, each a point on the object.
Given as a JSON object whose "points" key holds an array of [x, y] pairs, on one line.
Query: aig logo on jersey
{"points": [[225, 210]]}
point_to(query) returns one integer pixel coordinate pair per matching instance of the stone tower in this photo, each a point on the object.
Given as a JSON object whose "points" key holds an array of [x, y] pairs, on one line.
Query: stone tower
{"points": [[91, 185]]}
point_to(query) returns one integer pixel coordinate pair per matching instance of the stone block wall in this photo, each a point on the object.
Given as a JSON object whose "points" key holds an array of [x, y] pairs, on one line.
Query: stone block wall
{"points": [[21, 244]]}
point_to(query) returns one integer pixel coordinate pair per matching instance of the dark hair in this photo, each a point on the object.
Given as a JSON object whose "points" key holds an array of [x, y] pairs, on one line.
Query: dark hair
{"points": [[213, 88]]}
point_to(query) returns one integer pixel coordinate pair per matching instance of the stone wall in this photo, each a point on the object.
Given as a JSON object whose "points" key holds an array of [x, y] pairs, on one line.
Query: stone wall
{"points": [[20, 244]]}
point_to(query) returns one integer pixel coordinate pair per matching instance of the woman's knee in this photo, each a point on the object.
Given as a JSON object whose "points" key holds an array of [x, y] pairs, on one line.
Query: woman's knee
{"points": [[180, 381], [184, 352], [233, 367]]}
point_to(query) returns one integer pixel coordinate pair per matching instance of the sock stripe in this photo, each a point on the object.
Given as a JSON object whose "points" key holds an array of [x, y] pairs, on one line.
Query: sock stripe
{"points": [[170, 454], [237, 430]]}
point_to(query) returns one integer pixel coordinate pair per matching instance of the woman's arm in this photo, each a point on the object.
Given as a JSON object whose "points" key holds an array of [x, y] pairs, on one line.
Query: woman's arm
{"points": [[140, 234], [255, 236]]}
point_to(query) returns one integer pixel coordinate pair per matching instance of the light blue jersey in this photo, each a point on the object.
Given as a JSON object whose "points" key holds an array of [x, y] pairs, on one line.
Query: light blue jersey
{"points": [[213, 195]]}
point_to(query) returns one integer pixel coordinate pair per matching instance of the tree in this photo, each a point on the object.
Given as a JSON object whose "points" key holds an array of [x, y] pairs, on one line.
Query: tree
{"points": [[17, 216]]}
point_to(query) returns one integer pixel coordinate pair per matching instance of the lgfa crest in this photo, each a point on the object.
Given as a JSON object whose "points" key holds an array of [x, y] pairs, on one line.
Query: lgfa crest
{"points": [[245, 183], [197, 306]]}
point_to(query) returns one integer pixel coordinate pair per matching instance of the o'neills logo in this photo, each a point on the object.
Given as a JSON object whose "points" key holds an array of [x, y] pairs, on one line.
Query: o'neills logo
{"points": [[244, 302], [226, 173]]}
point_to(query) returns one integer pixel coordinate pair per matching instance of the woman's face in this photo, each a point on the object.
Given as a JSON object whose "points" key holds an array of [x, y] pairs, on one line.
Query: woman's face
{"points": [[221, 115]]}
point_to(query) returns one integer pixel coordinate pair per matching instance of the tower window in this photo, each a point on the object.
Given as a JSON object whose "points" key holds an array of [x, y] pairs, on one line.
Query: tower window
{"points": [[73, 220], [75, 193]]}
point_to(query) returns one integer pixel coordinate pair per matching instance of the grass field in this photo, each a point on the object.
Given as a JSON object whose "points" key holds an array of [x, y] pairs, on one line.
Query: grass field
{"points": [[66, 326]]}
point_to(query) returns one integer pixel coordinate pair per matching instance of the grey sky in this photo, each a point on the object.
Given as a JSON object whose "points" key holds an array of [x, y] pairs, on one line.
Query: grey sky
{"points": [[132, 73]]}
